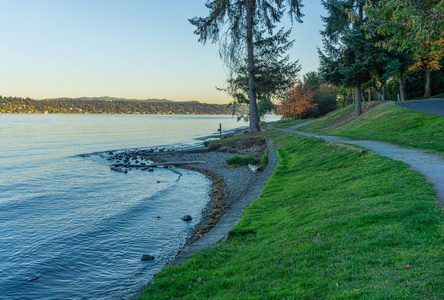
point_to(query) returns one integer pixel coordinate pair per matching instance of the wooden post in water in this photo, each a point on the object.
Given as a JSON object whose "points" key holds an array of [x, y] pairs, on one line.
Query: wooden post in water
{"points": [[220, 132]]}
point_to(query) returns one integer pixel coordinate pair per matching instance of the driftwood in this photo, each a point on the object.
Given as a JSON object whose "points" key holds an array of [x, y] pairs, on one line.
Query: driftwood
{"points": [[170, 163], [118, 169], [255, 168]]}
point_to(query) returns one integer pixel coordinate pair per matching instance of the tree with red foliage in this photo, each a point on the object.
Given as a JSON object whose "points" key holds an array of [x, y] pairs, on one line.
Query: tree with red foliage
{"points": [[300, 100]]}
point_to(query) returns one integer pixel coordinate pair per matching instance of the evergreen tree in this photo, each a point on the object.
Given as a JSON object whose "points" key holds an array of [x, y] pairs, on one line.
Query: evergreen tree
{"points": [[244, 20], [346, 58], [414, 26], [351, 56], [274, 74]]}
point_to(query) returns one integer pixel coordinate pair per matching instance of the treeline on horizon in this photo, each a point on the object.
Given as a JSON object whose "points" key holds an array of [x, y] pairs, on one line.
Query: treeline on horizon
{"points": [[80, 106]]}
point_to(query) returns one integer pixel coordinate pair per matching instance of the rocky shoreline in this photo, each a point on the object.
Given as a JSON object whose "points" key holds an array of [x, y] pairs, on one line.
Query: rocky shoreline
{"points": [[228, 187]]}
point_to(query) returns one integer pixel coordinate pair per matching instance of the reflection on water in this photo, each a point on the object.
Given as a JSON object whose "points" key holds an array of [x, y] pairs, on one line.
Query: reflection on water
{"points": [[72, 228]]}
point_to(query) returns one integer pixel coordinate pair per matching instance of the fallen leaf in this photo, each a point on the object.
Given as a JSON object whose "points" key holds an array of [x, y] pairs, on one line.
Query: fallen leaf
{"points": [[408, 267]]}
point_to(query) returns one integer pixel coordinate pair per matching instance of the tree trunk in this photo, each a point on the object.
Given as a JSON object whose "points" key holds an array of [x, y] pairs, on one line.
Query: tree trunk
{"points": [[254, 117], [428, 84], [358, 99], [370, 94], [384, 92], [378, 92], [402, 89]]}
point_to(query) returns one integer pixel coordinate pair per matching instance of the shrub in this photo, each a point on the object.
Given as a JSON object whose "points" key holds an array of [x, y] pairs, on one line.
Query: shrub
{"points": [[264, 159], [208, 143], [237, 161], [326, 99]]}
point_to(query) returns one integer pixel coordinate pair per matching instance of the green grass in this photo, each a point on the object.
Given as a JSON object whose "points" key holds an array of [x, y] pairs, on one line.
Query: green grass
{"points": [[286, 124], [237, 161], [438, 96], [332, 223], [386, 122], [207, 143], [264, 159]]}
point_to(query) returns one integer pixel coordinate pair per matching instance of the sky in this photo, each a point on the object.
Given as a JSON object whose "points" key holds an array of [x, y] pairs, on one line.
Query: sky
{"points": [[135, 49]]}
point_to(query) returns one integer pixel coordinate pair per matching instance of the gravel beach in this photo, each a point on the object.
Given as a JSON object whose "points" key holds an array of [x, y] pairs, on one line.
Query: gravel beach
{"points": [[237, 179], [229, 184]]}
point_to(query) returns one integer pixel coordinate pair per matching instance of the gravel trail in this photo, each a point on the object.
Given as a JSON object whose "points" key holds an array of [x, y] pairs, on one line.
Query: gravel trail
{"points": [[435, 107], [429, 164], [243, 187]]}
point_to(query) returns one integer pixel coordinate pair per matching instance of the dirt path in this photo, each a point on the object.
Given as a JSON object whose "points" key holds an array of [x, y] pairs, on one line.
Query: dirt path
{"points": [[429, 164]]}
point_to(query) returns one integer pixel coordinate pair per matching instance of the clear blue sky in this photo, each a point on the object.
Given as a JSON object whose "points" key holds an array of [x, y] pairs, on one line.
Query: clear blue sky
{"points": [[122, 48]]}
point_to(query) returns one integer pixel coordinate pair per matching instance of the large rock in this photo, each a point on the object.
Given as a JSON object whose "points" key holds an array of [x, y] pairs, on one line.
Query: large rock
{"points": [[186, 218], [255, 168], [147, 257]]}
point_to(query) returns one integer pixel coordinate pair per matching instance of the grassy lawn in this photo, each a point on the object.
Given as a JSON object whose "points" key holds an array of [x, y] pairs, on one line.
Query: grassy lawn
{"points": [[332, 223], [387, 122], [286, 124]]}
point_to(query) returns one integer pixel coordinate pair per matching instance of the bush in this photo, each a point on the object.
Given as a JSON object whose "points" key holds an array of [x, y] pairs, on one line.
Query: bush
{"points": [[264, 159], [326, 99], [237, 161], [208, 143]]}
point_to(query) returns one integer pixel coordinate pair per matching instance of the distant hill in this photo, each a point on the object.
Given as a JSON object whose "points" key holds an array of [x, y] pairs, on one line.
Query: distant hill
{"points": [[107, 98], [111, 105]]}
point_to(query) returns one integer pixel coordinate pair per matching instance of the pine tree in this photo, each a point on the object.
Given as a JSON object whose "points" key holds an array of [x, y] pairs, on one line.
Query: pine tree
{"points": [[413, 26], [346, 59], [274, 74], [244, 20]]}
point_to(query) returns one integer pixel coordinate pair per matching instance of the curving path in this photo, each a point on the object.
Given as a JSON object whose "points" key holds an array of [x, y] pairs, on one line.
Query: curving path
{"points": [[429, 164], [230, 219], [435, 106]]}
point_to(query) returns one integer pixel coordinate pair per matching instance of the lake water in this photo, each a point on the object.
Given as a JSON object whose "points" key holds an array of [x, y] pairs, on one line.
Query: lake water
{"points": [[72, 228]]}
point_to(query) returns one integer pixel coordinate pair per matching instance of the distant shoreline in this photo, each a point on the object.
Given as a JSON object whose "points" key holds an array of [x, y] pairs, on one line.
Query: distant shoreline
{"points": [[115, 114], [111, 106]]}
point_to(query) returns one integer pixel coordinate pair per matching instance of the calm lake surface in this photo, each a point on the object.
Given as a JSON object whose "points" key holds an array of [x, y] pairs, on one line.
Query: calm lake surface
{"points": [[72, 228]]}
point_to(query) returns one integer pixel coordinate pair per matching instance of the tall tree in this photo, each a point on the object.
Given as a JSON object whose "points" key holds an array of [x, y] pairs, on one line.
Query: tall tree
{"points": [[414, 26], [243, 20], [274, 74], [347, 58]]}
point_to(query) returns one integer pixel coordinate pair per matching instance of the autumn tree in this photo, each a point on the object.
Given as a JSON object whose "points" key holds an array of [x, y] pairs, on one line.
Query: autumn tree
{"points": [[299, 101], [243, 20], [325, 96]]}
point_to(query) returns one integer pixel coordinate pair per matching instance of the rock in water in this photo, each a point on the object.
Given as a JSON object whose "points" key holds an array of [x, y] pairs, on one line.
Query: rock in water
{"points": [[186, 218], [34, 277], [147, 257]]}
